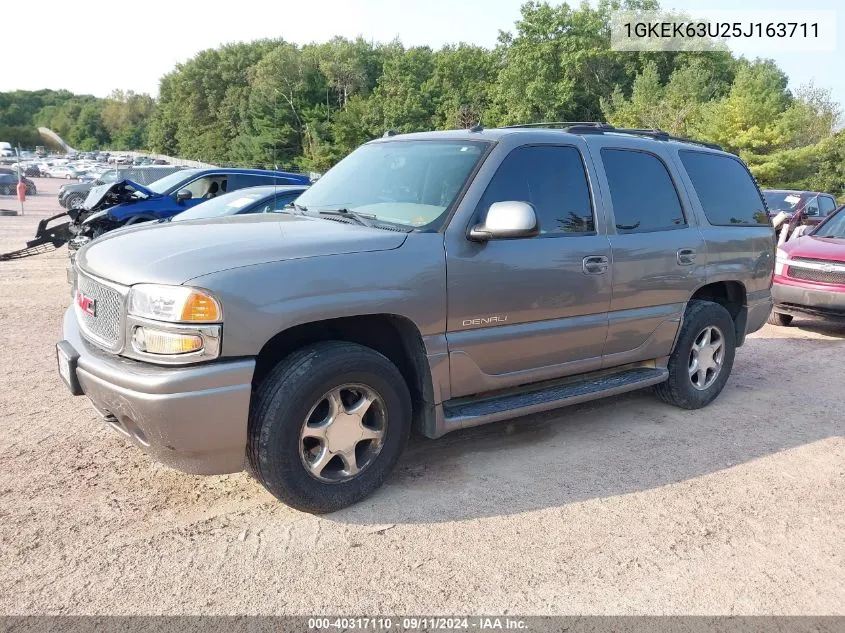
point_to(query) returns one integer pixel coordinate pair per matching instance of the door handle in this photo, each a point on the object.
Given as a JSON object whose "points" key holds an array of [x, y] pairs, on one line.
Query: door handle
{"points": [[594, 265], [686, 256]]}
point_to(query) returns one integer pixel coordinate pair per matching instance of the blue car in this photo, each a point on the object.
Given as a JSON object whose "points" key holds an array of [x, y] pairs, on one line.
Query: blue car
{"points": [[266, 199], [126, 202]]}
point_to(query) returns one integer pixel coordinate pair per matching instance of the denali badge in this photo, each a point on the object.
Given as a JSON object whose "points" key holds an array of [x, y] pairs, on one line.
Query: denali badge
{"points": [[491, 320], [86, 304]]}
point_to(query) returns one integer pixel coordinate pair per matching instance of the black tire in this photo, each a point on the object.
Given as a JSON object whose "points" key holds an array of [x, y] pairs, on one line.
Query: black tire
{"points": [[5, 191], [280, 407], [678, 389], [779, 318], [30, 189], [72, 198]]}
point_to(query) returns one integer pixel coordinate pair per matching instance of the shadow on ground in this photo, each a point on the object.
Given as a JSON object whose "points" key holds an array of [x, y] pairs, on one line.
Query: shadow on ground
{"points": [[613, 446]]}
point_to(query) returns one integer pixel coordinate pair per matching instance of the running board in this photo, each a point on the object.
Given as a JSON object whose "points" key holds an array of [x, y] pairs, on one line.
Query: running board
{"points": [[465, 412]]}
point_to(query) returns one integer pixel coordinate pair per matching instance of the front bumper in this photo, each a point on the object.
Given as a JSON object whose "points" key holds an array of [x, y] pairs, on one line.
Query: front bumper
{"points": [[193, 419], [800, 298]]}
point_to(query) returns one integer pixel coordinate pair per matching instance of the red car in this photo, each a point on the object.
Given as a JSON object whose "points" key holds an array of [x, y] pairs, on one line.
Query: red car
{"points": [[810, 273]]}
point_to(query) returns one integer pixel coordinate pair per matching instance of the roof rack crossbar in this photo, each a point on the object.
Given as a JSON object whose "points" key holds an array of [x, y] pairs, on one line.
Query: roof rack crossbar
{"points": [[557, 124]]}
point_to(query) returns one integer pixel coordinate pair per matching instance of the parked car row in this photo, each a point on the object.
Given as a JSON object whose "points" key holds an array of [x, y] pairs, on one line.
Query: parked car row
{"points": [[9, 183]]}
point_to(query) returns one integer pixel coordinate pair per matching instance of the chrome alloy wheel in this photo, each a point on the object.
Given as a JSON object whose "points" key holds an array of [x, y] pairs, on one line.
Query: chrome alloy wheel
{"points": [[343, 433], [706, 357]]}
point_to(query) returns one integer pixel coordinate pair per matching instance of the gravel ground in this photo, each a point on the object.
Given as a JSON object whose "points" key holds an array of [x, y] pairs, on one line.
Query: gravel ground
{"points": [[626, 506]]}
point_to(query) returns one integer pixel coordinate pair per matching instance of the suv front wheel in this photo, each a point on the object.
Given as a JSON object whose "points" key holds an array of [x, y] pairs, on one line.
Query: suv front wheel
{"points": [[703, 357], [327, 425]]}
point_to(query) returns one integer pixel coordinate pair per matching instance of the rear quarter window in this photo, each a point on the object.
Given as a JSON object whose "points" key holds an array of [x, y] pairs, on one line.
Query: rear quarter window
{"points": [[725, 188]]}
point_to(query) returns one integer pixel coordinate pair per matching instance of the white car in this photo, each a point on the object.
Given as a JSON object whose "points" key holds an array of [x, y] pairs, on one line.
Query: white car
{"points": [[62, 171]]}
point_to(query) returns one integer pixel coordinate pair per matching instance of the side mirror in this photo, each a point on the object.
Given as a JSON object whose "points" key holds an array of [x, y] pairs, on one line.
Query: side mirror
{"points": [[506, 220], [812, 211], [183, 194]]}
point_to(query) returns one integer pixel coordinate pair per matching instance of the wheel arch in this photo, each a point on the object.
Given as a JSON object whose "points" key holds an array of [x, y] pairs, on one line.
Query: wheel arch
{"points": [[395, 337], [733, 296]]}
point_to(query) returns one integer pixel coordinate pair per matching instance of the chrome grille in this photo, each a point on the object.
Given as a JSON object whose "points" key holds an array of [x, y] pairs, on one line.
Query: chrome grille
{"points": [[104, 326], [819, 276]]}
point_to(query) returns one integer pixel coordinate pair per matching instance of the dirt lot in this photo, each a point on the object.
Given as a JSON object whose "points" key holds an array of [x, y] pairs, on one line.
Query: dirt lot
{"points": [[623, 506]]}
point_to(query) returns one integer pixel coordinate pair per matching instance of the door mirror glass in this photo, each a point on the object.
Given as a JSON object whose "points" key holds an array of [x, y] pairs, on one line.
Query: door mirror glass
{"points": [[183, 194], [506, 220]]}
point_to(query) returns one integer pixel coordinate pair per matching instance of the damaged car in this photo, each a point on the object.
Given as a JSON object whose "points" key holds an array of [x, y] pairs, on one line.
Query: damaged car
{"points": [[125, 202]]}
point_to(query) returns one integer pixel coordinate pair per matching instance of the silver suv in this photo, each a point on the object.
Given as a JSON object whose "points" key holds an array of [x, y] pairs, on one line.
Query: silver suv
{"points": [[434, 281]]}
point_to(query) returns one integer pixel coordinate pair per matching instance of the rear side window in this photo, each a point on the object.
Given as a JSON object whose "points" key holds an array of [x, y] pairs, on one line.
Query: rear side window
{"points": [[553, 180], [641, 189], [725, 189]]}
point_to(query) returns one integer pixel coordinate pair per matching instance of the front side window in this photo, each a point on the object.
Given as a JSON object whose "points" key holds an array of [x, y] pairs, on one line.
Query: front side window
{"points": [[207, 187], [726, 190], [642, 192], [553, 180], [411, 183]]}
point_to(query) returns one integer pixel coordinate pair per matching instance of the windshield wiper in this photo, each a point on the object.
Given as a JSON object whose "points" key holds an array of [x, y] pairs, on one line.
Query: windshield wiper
{"points": [[360, 218]]}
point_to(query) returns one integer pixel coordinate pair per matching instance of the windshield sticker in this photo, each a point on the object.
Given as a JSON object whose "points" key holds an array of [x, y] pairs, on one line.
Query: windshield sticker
{"points": [[792, 199]]}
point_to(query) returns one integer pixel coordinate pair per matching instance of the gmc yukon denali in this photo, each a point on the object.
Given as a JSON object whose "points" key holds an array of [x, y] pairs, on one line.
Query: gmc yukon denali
{"points": [[430, 281]]}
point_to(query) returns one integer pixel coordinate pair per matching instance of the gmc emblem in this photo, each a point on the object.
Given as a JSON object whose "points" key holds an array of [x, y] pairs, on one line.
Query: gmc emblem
{"points": [[86, 304]]}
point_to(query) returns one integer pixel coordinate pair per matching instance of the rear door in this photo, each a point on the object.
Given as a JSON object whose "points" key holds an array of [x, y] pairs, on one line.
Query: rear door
{"points": [[658, 252]]}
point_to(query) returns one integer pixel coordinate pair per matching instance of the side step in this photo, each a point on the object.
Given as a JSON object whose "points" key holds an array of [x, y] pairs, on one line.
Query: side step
{"points": [[465, 412]]}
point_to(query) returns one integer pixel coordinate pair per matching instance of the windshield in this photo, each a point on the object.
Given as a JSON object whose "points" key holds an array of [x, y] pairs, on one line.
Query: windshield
{"points": [[163, 185], [411, 183], [782, 200], [227, 204], [108, 176], [834, 227]]}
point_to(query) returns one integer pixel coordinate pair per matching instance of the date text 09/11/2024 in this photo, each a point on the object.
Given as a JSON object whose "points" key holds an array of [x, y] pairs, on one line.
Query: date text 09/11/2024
{"points": [[417, 623]]}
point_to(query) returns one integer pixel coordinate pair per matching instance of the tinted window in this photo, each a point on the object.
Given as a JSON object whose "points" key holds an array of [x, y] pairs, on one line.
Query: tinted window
{"points": [[553, 180], [725, 188], [643, 194], [826, 205]]}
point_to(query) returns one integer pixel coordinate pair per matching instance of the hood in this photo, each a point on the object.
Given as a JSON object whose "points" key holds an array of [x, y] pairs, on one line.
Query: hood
{"points": [[175, 252], [117, 192], [816, 247]]}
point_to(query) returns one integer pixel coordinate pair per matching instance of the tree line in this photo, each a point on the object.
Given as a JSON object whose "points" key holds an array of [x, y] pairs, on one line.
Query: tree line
{"points": [[273, 102], [85, 122]]}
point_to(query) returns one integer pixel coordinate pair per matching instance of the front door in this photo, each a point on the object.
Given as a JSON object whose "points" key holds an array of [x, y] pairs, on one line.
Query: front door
{"points": [[523, 310]]}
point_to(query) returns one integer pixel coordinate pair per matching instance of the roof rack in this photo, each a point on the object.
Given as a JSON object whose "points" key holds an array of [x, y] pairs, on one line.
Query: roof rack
{"points": [[595, 127], [558, 124]]}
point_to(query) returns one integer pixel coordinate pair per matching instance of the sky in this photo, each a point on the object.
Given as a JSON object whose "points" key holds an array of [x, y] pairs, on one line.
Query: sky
{"points": [[95, 46]]}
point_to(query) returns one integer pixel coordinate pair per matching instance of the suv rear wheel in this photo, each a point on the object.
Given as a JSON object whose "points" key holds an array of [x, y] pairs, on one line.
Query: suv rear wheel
{"points": [[327, 426], [703, 357]]}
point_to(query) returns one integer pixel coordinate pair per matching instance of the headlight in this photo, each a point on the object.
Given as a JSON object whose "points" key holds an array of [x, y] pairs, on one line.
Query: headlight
{"points": [[781, 260], [174, 304]]}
